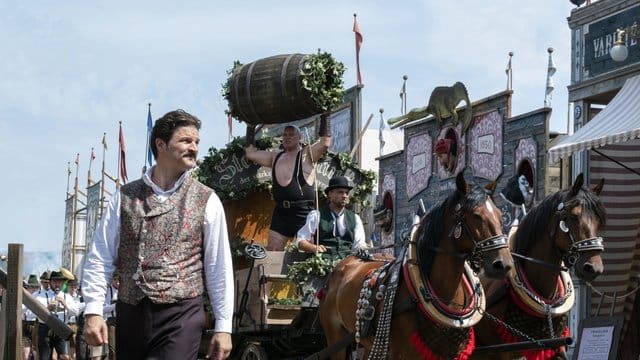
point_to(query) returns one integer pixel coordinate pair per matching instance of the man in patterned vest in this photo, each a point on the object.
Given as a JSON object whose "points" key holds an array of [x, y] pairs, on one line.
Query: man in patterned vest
{"points": [[167, 237], [340, 230]]}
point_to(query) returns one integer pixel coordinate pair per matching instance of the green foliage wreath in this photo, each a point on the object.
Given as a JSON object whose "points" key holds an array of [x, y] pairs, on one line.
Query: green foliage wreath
{"points": [[206, 173]]}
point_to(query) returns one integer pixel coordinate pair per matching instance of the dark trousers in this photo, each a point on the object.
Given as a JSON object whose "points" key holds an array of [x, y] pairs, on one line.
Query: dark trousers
{"points": [[159, 331], [47, 341]]}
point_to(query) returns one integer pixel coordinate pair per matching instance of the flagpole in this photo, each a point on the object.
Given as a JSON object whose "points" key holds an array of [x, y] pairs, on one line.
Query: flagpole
{"points": [[380, 137], [146, 151], [75, 214], [104, 153], [509, 72], [89, 171], [403, 95], [119, 156], [122, 159], [68, 177], [551, 69]]}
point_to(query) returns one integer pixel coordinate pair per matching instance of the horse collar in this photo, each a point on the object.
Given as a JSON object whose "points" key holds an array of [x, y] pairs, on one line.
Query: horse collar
{"points": [[434, 309], [533, 303]]}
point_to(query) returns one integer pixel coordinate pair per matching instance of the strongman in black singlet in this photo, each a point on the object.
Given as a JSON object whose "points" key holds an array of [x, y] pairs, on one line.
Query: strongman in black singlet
{"points": [[293, 201]]}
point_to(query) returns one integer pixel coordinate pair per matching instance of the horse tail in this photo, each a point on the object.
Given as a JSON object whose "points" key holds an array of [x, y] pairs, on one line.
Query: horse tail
{"points": [[464, 94]]}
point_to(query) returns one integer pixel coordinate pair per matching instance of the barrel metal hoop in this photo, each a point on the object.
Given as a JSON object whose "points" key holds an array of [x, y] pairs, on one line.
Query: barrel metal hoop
{"points": [[236, 80], [248, 84], [283, 84]]}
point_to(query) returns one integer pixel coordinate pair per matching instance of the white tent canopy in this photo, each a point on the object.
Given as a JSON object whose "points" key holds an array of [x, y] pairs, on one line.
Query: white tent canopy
{"points": [[619, 121]]}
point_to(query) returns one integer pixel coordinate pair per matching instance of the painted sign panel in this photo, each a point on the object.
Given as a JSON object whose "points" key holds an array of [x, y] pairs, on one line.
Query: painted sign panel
{"points": [[93, 209], [341, 131], [527, 149], [418, 163], [486, 146], [68, 232]]}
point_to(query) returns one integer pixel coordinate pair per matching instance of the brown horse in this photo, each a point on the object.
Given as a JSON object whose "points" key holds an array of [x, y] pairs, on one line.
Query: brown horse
{"points": [[425, 301], [559, 233]]}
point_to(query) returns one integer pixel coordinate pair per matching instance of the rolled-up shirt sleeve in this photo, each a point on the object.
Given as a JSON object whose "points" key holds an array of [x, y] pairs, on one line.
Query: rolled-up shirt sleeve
{"points": [[308, 230], [359, 238], [218, 265]]}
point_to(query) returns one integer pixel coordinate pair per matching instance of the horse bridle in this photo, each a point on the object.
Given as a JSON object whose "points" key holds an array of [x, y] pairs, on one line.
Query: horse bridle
{"points": [[577, 247], [494, 242]]}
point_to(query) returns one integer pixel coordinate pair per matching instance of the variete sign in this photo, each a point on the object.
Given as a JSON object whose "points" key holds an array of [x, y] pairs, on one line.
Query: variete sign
{"points": [[238, 172], [600, 38]]}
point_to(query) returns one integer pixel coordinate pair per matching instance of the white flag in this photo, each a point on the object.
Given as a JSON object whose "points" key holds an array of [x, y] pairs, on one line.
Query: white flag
{"points": [[551, 69], [509, 73], [380, 137]]}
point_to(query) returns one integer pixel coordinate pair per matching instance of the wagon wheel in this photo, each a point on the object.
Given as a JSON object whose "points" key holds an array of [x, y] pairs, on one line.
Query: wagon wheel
{"points": [[255, 251], [253, 352]]}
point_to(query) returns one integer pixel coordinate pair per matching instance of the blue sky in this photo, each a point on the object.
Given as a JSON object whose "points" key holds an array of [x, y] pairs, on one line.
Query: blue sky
{"points": [[72, 70]]}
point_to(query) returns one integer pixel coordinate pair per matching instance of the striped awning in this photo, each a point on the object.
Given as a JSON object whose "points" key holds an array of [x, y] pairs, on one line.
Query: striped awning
{"points": [[619, 121]]}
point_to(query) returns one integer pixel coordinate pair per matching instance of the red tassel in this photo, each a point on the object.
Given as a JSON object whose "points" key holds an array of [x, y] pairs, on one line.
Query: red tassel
{"points": [[427, 354]]}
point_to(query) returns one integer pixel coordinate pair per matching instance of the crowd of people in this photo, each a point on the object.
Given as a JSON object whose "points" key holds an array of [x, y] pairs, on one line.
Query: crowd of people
{"points": [[59, 292]]}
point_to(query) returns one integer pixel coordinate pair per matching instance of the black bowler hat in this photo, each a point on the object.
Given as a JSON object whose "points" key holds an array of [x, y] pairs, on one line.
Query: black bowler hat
{"points": [[338, 182]]}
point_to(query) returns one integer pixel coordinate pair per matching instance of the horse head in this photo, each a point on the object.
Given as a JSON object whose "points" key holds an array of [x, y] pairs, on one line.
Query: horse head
{"points": [[578, 219], [474, 226]]}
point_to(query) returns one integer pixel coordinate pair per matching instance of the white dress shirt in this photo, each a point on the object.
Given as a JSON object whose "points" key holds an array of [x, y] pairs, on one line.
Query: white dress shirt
{"points": [[63, 313], [43, 297], [218, 269], [307, 232], [109, 308]]}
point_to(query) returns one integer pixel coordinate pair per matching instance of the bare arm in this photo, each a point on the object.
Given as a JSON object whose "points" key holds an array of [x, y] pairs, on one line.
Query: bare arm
{"points": [[307, 246], [260, 157]]}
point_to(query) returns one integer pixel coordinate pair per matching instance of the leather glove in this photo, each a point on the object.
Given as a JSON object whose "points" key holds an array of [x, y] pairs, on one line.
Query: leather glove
{"points": [[250, 136], [325, 125]]}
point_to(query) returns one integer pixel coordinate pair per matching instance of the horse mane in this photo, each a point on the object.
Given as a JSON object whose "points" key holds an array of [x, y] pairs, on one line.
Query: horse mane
{"points": [[530, 227], [432, 230]]}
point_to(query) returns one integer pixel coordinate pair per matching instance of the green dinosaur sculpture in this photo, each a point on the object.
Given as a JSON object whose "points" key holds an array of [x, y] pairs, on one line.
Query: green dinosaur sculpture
{"points": [[442, 104]]}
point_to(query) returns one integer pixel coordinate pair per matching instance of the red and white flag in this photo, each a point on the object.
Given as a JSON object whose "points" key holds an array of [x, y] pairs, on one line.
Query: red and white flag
{"points": [[356, 30], [123, 163]]}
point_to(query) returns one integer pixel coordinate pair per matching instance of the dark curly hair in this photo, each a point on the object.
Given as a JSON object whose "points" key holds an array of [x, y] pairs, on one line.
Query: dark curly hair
{"points": [[166, 125]]}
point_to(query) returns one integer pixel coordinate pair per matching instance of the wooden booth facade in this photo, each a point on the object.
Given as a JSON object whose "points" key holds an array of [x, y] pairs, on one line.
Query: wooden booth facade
{"points": [[495, 146]]}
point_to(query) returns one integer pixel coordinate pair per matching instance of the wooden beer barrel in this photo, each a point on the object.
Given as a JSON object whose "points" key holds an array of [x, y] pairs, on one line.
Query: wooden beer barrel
{"points": [[270, 91]]}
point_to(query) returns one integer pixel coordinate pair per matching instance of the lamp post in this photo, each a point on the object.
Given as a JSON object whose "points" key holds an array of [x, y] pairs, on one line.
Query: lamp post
{"points": [[619, 50]]}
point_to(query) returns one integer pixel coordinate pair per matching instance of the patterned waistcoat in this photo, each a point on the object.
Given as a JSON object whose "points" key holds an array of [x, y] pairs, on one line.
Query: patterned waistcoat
{"points": [[160, 253]]}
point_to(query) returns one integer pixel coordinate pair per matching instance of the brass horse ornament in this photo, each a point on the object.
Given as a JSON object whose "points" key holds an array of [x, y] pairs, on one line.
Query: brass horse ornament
{"points": [[559, 234], [426, 300]]}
